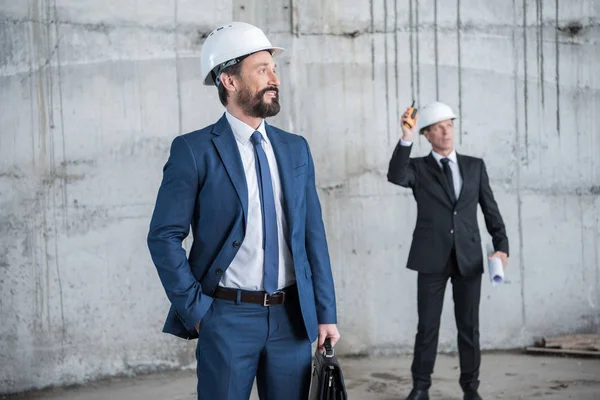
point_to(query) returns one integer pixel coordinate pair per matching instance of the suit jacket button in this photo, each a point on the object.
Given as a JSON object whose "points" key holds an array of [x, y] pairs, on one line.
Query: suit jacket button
{"points": [[451, 230], [455, 213], [219, 271], [237, 244]]}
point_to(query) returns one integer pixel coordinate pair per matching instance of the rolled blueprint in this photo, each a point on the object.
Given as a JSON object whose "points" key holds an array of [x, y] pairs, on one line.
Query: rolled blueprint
{"points": [[496, 271]]}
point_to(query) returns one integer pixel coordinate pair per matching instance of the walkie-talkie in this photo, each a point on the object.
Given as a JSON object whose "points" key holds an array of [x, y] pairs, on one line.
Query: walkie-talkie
{"points": [[411, 119]]}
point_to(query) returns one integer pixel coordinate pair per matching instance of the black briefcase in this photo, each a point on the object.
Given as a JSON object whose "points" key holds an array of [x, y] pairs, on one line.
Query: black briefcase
{"points": [[326, 381]]}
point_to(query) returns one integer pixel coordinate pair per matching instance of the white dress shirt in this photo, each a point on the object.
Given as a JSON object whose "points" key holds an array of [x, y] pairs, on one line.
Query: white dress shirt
{"points": [[453, 164], [247, 268]]}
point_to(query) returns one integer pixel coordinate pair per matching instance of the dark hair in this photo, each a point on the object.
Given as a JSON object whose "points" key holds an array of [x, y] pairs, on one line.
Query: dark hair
{"points": [[232, 70]]}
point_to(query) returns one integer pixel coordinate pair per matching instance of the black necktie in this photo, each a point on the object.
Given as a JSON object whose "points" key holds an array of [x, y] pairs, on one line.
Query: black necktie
{"points": [[448, 173]]}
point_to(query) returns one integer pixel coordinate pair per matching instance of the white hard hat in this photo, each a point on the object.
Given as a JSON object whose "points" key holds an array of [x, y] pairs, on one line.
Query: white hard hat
{"points": [[433, 113], [229, 42]]}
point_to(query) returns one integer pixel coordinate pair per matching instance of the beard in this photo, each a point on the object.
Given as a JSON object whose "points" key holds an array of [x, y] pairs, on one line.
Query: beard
{"points": [[255, 105]]}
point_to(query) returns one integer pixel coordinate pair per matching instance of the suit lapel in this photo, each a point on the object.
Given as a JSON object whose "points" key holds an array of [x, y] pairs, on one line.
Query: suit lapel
{"points": [[437, 172], [230, 155], [283, 154]]}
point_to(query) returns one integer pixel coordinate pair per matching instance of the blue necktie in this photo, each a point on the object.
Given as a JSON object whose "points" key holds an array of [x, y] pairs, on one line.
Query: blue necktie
{"points": [[267, 202]]}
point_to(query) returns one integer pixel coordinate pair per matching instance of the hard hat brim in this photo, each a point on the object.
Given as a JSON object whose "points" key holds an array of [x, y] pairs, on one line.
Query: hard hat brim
{"points": [[450, 117], [275, 51]]}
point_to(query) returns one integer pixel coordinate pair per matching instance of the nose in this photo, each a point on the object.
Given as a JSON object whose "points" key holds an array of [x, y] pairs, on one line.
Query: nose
{"points": [[273, 79]]}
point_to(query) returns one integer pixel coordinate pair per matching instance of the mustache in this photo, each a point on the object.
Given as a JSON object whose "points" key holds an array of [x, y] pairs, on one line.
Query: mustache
{"points": [[267, 89]]}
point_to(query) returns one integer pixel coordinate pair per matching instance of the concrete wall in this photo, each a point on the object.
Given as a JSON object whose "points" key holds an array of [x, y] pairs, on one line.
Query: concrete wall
{"points": [[92, 92]]}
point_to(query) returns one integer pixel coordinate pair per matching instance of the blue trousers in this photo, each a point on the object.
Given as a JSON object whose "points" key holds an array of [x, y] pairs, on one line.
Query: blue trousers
{"points": [[240, 341]]}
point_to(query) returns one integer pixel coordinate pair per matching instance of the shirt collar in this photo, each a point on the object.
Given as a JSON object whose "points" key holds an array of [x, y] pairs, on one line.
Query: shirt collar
{"points": [[451, 157], [243, 131]]}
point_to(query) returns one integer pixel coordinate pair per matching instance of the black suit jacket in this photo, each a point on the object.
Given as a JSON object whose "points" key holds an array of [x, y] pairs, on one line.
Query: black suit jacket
{"points": [[442, 223]]}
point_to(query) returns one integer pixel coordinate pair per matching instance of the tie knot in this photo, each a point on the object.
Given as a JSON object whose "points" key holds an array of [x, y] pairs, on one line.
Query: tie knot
{"points": [[256, 138], [445, 160]]}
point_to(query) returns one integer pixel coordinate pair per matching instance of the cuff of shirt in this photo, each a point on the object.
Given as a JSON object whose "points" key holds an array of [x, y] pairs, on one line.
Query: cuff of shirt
{"points": [[405, 142]]}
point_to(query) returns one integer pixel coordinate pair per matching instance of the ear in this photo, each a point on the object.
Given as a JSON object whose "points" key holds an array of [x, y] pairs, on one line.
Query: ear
{"points": [[228, 82], [427, 135]]}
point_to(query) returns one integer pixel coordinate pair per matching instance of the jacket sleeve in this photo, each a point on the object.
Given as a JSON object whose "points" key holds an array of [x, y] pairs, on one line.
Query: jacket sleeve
{"points": [[401, 171], [169, 226], [491, 213], [317, 251]]}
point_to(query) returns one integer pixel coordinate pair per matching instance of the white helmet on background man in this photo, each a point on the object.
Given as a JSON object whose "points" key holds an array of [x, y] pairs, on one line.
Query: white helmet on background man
{"points": [[227, 44], [433, 113]]}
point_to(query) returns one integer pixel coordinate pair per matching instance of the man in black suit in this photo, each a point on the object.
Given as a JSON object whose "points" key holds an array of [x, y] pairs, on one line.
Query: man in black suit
{"points": [[446, 241]]}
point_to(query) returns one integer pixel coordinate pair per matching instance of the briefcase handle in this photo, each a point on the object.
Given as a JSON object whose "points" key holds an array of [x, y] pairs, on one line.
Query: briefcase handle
{"points": [[329, 352]]}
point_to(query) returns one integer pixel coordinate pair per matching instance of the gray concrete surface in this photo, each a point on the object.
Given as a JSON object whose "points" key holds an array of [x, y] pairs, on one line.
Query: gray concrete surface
{"points": [[504, 376], [92, 92]]}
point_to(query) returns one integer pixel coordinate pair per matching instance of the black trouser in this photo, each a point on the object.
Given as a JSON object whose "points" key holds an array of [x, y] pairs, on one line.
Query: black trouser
{"points": [[430, 298]]}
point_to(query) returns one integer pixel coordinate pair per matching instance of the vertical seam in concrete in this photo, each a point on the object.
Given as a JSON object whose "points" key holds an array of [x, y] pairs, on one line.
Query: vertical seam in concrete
{"points": [[458, 40], [293, 18], [525, 94], [540, 72], [537, 36], [396, 64], [44, 234], [50, 93], [64, 191], [596, 263], [557, 72], [62, 118], [411, 44], [417, 52], [372, 42], [385, 52], [177, 75], [50, 150], [541, 31], [31, 91], [518, 168], [40, 91], [435, 44], [582, 222], [38, 297]]}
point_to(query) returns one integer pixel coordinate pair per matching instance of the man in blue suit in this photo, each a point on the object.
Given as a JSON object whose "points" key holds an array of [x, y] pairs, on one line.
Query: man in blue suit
{"points": [[257, 288]]}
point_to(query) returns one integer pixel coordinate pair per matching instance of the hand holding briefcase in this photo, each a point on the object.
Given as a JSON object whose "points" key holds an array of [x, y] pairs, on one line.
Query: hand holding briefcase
{"points": [[326, 381]]}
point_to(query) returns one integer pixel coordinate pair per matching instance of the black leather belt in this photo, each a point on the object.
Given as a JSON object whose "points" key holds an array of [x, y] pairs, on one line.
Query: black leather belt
{"points": [[246, 296]]}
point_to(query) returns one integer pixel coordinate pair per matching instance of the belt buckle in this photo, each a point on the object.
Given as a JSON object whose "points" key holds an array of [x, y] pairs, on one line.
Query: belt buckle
{"points": [[266, 301]]}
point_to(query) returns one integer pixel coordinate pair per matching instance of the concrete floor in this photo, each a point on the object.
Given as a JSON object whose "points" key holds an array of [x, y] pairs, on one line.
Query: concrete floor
{"points": [[504, 376]]}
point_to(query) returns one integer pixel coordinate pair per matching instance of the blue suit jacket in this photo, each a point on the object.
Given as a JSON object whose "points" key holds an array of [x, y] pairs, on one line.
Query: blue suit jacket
{"points": [[204, 186]]}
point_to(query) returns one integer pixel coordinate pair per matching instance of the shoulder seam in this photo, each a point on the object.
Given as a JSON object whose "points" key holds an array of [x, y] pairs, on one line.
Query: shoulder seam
{"points": [[192, 153]]}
